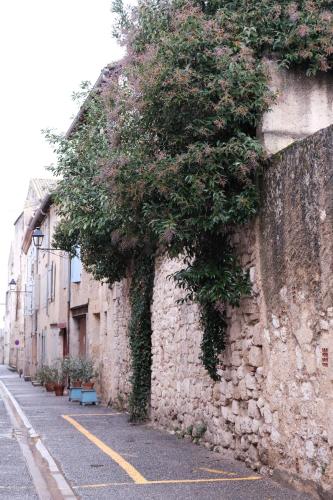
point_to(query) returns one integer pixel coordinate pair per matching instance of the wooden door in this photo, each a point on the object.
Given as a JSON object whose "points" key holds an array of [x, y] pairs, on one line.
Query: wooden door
{"points": [[64, 342], [82, 336], [33, 355]]}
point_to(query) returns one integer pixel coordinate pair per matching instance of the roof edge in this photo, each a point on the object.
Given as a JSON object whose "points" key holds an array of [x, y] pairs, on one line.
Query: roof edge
{"points": [[36, 220]]}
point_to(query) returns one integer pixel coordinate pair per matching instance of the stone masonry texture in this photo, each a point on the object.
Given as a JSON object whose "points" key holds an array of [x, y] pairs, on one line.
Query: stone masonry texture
{"points": [[273, 407]]}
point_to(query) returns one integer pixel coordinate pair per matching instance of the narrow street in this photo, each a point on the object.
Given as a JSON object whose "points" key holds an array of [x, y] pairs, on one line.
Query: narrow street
{"points": [[98, 454]]}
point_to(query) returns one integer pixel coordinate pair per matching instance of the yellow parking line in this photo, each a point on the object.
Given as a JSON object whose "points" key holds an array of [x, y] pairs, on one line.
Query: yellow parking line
{"points": [[127, 467], [134, 474], [217, 471], [93, 414], [173, 481], [13, 487], [104, 485], [209, 480]]}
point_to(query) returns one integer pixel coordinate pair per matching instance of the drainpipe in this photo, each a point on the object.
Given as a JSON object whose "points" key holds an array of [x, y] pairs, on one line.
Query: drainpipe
{"points": [[36, 301], [69, 293], [48, 277]]}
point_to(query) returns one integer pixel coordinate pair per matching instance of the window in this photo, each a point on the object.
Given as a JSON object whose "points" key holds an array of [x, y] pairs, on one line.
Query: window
{"points": [[51, 282], [28, 303], [76, 269]]}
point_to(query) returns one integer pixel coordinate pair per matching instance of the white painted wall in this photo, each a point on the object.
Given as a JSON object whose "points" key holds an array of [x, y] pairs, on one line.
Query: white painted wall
{"points": [[303, 106]]}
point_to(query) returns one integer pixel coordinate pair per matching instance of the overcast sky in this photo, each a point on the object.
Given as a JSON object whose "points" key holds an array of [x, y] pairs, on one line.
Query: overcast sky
{"points": [[47, 48]]}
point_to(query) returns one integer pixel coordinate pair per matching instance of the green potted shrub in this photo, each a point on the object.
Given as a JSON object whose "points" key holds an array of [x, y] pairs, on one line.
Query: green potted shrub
{"points": [[59, 379], [46, 376], [88, 373], [40, 375], [73, 368], [66, 365]]}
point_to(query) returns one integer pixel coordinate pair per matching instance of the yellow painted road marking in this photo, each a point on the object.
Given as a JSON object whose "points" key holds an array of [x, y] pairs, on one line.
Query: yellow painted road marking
{"points": [[209, 480], [14, 487], [127, 467], [104, 485], [173, 481], [217, 471], [93, 414]]}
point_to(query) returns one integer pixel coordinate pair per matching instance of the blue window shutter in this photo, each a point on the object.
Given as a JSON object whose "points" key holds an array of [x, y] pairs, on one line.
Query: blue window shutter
{"points": [[76, 269]]}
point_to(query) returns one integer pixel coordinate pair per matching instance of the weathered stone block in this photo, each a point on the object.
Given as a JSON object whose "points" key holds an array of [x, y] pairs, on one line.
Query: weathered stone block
{"points": [[255, 356], [230, 390], [242, 389], [253, 410], [235, 407], [307, 390], [240, 372], [275, 321], [246, 425], [255, 426], [309, 449], [226, 439], [234, 377], [256, 331], [253, 453], [237, 393], [244, 443], [275, 436], [250, 382], [267, 414], [235, 331], [236, 358], [217, 392]]}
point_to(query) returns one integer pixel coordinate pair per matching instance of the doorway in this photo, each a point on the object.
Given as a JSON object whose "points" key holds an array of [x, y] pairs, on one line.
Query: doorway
{"points": [[78, 340], [63, 333], [82, 324]]}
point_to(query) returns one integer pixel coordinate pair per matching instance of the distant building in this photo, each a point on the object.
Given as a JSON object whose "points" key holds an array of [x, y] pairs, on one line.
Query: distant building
{"points": [[68, 312], [20, 295], [2, 346]]}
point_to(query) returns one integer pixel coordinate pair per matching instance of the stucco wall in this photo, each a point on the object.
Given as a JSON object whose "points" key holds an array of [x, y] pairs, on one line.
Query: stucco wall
{"points": [[107, 315], [303, 106], [274, 405]]}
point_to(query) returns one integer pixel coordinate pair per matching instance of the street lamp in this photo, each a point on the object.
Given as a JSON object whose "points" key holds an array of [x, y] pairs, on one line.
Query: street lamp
{"points": [[38, 237], [12, 286]]}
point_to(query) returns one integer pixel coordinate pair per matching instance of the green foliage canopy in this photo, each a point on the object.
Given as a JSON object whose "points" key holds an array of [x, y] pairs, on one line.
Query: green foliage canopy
{"points": [[166, 154]]}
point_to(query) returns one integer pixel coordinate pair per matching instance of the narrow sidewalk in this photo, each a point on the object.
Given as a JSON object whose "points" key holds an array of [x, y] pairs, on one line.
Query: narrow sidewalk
{"points": [[15, 481], [103, 456]]}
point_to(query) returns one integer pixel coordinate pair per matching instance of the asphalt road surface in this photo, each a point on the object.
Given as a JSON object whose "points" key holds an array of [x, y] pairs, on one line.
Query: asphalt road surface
{"points": [[51, 448]]}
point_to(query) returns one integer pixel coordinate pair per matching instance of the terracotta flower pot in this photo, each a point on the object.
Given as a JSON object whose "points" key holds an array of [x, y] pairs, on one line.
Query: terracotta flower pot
{"points": [[76, 383], [59, 389], [87, 385], [49, 386]]}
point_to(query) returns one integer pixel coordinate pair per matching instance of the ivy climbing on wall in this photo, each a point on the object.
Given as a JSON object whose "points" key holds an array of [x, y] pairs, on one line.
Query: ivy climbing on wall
{"points": [[140, 334], [167, 154]]}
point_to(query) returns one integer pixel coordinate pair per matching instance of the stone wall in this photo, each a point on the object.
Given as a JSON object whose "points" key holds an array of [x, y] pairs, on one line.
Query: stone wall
{"points": [[296, 249], [183, 395], [115, 364], [274, 405]]}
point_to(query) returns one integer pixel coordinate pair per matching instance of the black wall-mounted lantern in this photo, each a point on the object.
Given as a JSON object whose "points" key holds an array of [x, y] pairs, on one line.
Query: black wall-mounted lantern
{"points": [[12, 287], [37, 237]]}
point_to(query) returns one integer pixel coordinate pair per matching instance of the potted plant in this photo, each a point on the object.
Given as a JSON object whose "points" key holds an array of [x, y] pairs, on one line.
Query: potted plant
{"points": [[50, 376], [76, 372], [59, 380], [72, 367], [88, 372], [46, 375], [40, 375]]}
